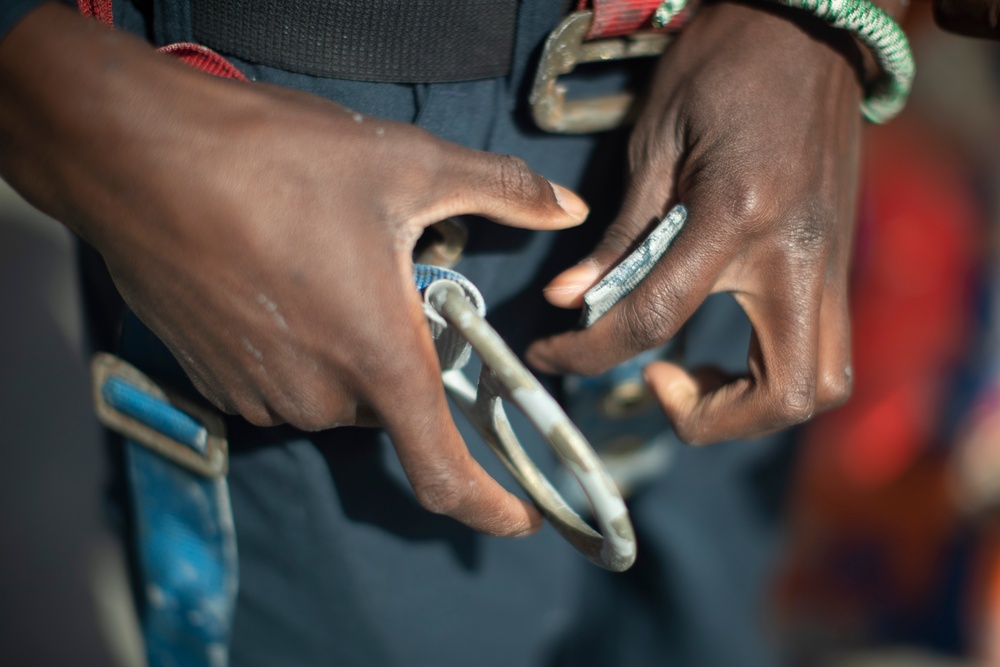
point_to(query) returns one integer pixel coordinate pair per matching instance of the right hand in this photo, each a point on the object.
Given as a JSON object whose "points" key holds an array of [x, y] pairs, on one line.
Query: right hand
{"points": [[266, 236]]}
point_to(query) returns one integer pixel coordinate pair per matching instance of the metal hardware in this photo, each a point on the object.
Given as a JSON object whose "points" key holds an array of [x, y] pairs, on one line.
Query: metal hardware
{"points": [[505, 378], [442, 244], [626, 399], [564, 49], [213, 462]]}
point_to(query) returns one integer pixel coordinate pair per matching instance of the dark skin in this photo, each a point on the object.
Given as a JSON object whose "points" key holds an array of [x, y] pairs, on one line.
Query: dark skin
{"points": [[228, 212], [768, 171]]}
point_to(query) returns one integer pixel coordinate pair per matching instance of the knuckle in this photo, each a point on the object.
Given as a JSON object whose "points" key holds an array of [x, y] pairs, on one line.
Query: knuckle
{"points": [[317, 410], [689, 435], [441, 493], [258, 415], [514, 178], [809, 231], [795, 404], [314, 421], [749, 200], [643, 327], [834, 389]]}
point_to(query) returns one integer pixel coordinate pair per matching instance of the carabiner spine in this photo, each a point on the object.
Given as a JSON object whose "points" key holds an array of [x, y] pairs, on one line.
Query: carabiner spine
{"points": [[505, 376]]}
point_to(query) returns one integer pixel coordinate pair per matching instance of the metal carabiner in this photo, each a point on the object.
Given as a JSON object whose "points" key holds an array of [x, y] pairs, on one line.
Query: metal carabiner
{"points": [[456, 314], [505, 378]]}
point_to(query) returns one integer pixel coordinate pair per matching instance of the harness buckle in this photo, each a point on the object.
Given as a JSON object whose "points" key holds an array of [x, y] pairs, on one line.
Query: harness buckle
{"points": [[564, 49], [132, 405]]}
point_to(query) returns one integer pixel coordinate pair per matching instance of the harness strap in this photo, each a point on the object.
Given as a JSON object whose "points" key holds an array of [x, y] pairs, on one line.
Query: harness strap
{"points": [[615, 18], [186, 538]]}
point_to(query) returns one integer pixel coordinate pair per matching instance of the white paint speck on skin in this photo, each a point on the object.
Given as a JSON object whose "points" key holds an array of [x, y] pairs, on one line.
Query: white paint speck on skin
{"points": [[257, 354], [358, 118], [272, 308], [380, 131]]}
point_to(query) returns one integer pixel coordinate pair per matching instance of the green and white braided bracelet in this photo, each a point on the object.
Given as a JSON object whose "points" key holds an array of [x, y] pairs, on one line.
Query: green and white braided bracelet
{"points": [[868, 23]]}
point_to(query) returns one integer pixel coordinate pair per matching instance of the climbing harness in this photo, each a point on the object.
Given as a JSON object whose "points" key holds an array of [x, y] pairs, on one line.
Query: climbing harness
{"points": [[176, 457], [608, 30]]}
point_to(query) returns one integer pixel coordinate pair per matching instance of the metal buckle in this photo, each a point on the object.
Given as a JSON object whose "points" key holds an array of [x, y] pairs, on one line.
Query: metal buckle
{"points": [[564, 50], [212, 462]]}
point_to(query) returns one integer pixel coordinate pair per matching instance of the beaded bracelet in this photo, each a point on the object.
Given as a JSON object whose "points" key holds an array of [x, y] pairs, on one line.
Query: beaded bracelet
{"points": [[869, 24]]}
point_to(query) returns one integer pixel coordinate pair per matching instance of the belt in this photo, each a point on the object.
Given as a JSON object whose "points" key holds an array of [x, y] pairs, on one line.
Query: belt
{"points": [[385, 41], [388, 41]]}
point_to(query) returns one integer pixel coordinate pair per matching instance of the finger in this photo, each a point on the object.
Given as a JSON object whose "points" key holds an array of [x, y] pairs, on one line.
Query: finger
{"points": [[411, 405], [502, 188], [780, 387], [643, 207], [835, 378], [652, 313]]}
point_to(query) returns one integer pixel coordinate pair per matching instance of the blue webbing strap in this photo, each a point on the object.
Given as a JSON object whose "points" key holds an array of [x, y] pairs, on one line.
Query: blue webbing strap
{"points": [[187, 555], [186, 543]]}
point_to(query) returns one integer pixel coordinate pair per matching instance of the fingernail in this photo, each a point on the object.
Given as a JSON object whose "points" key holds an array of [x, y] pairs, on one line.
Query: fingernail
{"points": [[575, 279], [570, 202]]}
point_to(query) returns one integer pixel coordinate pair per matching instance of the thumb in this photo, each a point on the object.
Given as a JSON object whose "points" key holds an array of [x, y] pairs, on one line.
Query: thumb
{"points": [[504, 189]]}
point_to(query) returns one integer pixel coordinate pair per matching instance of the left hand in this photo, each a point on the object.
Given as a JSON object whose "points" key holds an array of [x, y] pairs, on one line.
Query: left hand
{"points": [[753, 122]]}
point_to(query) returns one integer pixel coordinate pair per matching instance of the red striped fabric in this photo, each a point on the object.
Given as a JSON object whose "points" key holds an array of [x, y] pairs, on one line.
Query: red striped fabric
{"points": [[197, 56], [614, 18]]}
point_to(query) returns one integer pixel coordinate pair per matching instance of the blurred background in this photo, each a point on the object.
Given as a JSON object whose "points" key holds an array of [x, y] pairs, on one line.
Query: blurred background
{"points": [[892, 550], [64, 597], [893, 545]]}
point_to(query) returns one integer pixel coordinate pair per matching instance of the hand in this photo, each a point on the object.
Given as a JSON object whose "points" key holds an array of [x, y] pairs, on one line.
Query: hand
{"points": [[753, 123], [265, 236]]}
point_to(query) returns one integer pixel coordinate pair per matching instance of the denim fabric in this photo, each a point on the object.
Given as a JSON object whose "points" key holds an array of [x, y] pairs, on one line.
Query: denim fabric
{"points": [[340, 566]]}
